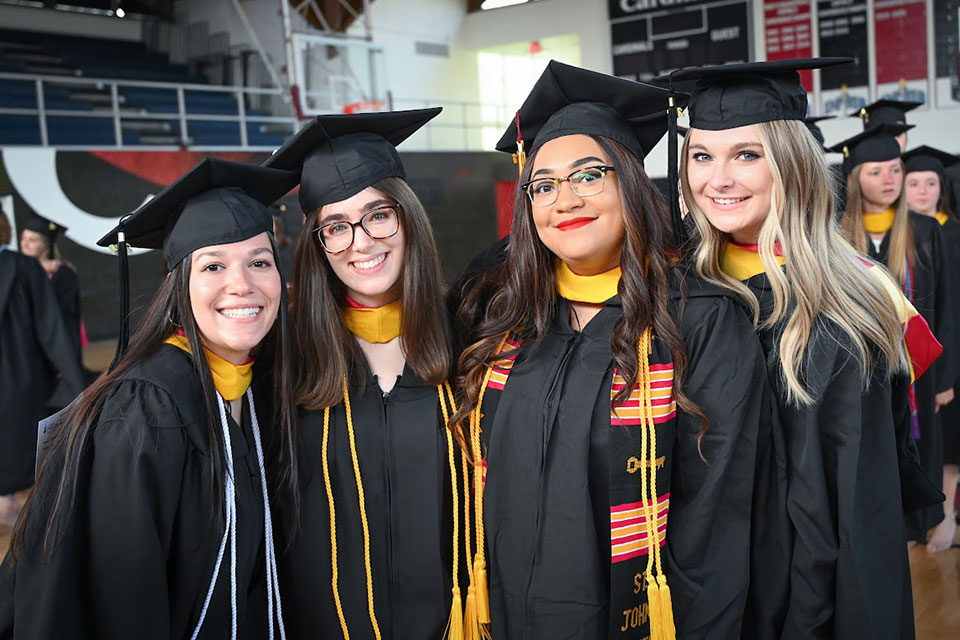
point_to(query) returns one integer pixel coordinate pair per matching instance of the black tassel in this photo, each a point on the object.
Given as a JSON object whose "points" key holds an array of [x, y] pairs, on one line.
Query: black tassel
{"points": [[679, 232], [123, 338]]}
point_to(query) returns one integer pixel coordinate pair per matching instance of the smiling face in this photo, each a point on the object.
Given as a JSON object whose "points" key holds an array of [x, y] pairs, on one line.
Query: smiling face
{"points": [[234, 295], [370, 268], [730, 179], [586, 232], [923, 191], [33, 244], [880, 184]]}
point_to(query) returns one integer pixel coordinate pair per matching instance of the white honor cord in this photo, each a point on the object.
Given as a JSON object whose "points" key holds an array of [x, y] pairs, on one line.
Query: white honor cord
{"points": [[273, 584], [229, 532]]}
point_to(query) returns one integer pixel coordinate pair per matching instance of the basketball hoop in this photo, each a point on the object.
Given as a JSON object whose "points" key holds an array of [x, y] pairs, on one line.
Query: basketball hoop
{"points": [[364, 106]]}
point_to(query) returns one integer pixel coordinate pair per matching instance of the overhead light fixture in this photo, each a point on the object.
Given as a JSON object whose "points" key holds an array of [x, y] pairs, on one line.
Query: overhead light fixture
{"points": [[121, 12], [496, 4]]}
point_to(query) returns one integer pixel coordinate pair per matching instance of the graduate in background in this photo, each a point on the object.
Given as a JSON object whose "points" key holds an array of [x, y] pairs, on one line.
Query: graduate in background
{"points": [[878, 222], [375, 552], [928, 191], [35, 348], [151, 516], [618, 427], [761, 194], [890, 112]]}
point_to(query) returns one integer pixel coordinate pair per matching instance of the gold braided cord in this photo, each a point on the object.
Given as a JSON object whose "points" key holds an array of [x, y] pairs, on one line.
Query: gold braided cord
{"points": [[333, 525], [454, 630], [646, 451], [363, 511]]}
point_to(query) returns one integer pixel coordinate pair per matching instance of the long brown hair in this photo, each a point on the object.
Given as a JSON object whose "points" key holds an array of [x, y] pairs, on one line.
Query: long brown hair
{"points": [[327, 350], [169, 310], [902, 248], [521, 297]]}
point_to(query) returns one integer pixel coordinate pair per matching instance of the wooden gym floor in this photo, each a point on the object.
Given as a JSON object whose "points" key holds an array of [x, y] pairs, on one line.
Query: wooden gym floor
{"points": [[936, 578]]}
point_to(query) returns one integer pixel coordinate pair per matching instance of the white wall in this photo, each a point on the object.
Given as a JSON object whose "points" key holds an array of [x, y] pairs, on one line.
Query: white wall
{"points": [[70, 23]]}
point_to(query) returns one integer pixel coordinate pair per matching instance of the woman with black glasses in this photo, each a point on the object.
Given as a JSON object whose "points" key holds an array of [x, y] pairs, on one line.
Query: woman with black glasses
{"points": [[373, 555]]}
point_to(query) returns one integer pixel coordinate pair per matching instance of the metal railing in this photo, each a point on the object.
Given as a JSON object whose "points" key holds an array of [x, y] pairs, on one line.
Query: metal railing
{"points": [[118, 114]]}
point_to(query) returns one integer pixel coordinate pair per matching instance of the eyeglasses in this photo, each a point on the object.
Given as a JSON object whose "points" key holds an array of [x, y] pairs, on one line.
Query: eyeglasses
{"points": [[338, 236], [585, 182]]}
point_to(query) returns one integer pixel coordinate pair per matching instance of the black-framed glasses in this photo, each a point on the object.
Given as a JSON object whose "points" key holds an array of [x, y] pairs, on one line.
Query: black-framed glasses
{"points": [[380, 223], [585, 182]]}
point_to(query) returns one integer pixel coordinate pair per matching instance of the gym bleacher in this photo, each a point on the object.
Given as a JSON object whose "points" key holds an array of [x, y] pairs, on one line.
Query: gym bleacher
{"points": [[77, 76]]}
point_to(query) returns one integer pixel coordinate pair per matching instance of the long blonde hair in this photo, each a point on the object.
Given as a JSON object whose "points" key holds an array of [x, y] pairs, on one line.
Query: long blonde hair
{"points": [[825, 275], [902, 248]]}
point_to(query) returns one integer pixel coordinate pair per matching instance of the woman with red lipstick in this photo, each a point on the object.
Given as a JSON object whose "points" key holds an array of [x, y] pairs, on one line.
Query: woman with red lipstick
{"points": [[928, 192], [151, 513], [879, 222], [829, 321], [615, 421], [376, 550]]}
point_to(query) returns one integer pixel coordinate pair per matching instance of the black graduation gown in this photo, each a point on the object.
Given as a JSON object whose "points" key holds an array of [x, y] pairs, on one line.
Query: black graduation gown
{"points": [[950, 414], [34, 346], [66, 287], [402, 453], [931, 297], [850, 576], [138, 556], [560, 472]]}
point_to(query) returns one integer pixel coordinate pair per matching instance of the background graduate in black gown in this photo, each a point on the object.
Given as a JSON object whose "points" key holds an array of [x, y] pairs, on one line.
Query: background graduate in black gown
{"points": [[611, 507], [39, 240], [35, 349], [877, 220], [929, 192], [373, 555], [762, 197], [150, 518]]}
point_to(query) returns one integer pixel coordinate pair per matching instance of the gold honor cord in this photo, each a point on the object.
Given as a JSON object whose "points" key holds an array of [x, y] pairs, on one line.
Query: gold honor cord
{"points": [[659, 600], [454, 630], [363, 516]]}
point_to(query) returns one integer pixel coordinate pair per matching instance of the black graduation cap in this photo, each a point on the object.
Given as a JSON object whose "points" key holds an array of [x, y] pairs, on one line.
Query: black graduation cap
{"points": [[47, 228], [568, 100], [338, 156], [814, 128], [926, 158], [728, 96], [885, 112], [215, 202], [876, 144]]}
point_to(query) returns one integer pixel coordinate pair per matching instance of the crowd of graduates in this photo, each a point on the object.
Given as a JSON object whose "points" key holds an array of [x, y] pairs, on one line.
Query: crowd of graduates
{"points": [[726, 413]]}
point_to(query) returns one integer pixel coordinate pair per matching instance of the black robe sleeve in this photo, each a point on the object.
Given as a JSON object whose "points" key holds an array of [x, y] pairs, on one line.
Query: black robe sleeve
{"points": [[944, 311], [712, 527], [66, 287]]}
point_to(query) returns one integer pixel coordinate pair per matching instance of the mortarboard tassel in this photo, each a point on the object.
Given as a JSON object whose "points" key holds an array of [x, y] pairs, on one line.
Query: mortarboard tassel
{"points": [[124, 337], [454, 630], [679, 235], [520, 157]]}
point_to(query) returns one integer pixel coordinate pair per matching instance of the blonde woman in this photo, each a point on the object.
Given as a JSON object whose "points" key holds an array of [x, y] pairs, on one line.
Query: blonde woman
{"points": [[877, 220], [760, 194]]}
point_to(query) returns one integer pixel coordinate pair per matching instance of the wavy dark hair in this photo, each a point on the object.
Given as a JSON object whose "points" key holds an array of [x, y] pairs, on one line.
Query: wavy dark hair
{"points": [[327, 350], [519, 297], [170, 310]]}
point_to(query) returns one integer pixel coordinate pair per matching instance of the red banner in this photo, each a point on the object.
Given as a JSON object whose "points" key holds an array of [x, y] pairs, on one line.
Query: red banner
{"points": [[901, 28], [789, 32]]}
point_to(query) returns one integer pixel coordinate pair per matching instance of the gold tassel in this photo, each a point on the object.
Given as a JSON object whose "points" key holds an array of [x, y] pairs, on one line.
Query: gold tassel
{"points": [[483, 596], [654, 609], [455, 623], [471, 626], [669, 630]]}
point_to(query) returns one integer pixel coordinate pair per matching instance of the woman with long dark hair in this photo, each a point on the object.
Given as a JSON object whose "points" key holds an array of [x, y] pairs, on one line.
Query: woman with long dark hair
{"points": [[761, 196], [150, 518], [373, 555], [879, 222], [617, 422], [928, 191]]}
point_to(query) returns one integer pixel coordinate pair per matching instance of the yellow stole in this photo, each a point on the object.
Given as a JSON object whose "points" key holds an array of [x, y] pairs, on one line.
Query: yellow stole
{"points": [[878, 222], [231, 380], [742, 262], [942, 218], [374, 324], [591, 289]]}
